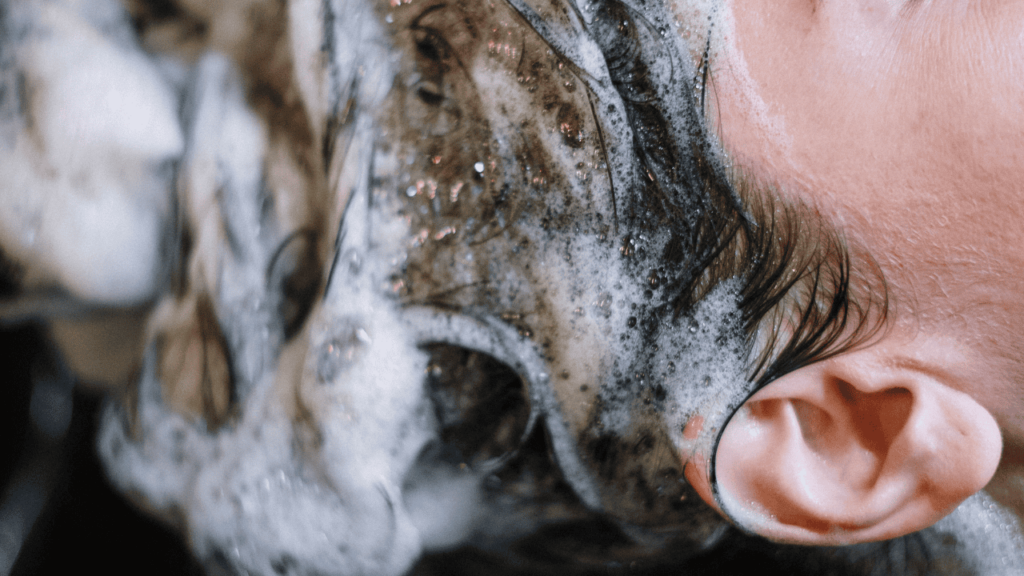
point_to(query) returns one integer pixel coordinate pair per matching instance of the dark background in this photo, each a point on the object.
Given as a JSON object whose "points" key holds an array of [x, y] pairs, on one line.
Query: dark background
{"points": [[84, 524]]}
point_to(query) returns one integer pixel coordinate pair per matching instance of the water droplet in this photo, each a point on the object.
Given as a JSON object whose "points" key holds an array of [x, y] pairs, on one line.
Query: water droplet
{"points": [[631, 322], [435, 371], [354, 260], [410, 191], [604, 304], [570, 124], [444, 232], [454, 197], [341, 351], [671, 367], [479, 167], [419, 238], [626, 249]]}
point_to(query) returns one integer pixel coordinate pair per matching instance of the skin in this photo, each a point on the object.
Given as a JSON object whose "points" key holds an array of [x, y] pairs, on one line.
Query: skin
{"points": [[901, 123]]}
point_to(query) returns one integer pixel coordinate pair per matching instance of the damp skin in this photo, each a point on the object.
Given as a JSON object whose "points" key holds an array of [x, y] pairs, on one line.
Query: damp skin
{"points": [[896, 124], [940, 203]]}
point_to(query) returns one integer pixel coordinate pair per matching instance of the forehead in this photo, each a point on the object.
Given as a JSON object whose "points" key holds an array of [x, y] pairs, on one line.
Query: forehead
{"points": [[895, 125]]}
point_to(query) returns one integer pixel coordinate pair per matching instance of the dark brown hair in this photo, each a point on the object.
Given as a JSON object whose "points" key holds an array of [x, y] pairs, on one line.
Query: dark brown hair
{"points": [[804, 294]]}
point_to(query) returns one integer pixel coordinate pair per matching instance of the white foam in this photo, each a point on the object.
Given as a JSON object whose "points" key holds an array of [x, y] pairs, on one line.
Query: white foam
{"points": [[988, 536], [710, 376], [85, 186], [308, 479]]}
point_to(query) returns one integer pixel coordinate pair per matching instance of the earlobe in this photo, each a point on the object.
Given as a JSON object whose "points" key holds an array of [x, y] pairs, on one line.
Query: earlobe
{"points": [[852, 450]]}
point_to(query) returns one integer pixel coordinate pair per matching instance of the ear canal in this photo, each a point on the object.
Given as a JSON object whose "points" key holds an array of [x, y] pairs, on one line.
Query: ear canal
{"points": [[831, 455]]}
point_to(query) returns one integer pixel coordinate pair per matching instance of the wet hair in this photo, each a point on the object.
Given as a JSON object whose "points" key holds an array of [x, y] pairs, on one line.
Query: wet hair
{"points": [[804, 293]]}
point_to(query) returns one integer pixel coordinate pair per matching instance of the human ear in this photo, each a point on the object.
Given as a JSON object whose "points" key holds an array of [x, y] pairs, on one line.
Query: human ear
{"points": [[852, 450]]}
